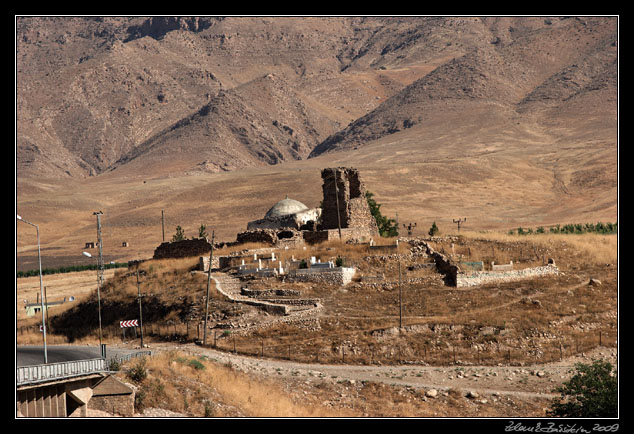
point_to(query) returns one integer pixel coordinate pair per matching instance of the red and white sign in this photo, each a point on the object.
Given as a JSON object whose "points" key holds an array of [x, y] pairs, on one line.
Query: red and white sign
{"points": [[130, 323]]}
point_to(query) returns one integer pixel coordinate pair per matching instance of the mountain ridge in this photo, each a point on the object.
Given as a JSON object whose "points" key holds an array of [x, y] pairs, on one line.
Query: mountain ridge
{"points": [[108, 85]]}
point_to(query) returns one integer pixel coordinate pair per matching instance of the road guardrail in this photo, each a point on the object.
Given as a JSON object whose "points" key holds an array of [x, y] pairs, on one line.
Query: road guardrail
{"points": [[57, 371]]}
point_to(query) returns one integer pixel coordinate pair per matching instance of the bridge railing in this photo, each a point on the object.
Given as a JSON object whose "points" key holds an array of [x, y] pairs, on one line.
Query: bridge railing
{"points": [[54, 371]]}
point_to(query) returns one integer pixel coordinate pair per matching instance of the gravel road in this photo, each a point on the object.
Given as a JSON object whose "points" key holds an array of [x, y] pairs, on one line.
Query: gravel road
{"points": [[520, 381]]}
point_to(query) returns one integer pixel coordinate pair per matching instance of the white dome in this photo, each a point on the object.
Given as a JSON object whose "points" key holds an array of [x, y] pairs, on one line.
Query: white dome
{"points": [[285, 207]]}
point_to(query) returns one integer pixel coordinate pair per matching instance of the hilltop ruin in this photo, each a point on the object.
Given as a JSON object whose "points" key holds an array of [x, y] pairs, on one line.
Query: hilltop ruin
{"points": [[344, 214]]}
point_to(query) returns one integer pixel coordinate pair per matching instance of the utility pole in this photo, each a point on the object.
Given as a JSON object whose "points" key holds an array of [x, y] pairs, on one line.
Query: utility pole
{"points": [[400, 295], [41, 295], [409, 228], [99, 270], [459, 221], [337, 197], [138, 286], [211, 256], [163, 223]]}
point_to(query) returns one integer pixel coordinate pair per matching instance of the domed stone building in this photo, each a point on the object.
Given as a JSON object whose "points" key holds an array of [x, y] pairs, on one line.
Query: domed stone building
{"points": [[345, 215], [286, 214]]}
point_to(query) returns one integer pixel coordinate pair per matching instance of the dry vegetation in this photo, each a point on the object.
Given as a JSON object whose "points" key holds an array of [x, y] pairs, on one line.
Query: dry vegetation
{"points": [[198, 386], [528, 321], [522, 323]]}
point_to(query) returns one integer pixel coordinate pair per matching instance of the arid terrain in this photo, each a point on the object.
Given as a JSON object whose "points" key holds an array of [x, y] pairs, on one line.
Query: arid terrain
{"points": [[503, 121], [494, 350]]}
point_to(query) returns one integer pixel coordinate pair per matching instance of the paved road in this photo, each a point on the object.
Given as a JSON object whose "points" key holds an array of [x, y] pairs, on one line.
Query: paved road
{"points": [[27, 355]]}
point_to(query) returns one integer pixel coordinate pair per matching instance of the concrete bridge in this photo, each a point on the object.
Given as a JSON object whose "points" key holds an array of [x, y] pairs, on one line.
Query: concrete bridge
{"points": [[77, 379]]}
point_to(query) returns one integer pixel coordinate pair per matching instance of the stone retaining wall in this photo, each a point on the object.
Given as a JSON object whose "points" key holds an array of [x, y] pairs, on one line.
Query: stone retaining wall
{"points": [[122, 405], [483, 277], [255, 293], [332, 276]]}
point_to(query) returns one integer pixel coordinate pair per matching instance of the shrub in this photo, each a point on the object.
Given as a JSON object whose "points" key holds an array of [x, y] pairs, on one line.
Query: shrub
{"points": [[591, 392], [433, 230], [138, 371], [196, 364]]}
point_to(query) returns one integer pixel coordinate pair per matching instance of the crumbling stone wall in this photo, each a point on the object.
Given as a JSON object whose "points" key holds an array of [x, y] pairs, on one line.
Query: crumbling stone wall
{"points": [[280, 238], [203, 263], [360, 235], [455, 276], [483, 277], [332, 276], [353, 209], [183, 249], [291, 221]]}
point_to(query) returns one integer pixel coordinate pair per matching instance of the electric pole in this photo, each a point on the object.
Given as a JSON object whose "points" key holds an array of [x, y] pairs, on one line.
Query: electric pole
{"points": [[459, 221], [409, 228], [211, 256], [140, 309], [163, 223], [99, 270], [400, 295]]}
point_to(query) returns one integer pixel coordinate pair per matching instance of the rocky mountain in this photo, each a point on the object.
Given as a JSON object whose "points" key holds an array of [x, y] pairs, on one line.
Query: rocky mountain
{"points": [[187, 94], [526, 73]]}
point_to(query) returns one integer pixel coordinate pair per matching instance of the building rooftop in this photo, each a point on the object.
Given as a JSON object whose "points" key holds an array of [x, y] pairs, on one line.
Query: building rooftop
{"points": [[285, 207]]}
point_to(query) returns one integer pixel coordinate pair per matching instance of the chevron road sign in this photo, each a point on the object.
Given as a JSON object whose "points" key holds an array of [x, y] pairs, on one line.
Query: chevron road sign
{"points": [[130, 323]]}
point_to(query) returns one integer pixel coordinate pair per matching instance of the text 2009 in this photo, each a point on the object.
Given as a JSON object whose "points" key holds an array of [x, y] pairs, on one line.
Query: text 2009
{"points": [[605, 428]]}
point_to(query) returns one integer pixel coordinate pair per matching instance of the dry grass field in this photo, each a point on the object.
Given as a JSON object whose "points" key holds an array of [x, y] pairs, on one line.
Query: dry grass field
{"points": [[498, 190]]}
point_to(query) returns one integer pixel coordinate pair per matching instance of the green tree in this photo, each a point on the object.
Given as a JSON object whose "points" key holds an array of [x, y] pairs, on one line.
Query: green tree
{"points": [[179, 235], [387, 226], [433, 230], [202, 231], [591, 392]]}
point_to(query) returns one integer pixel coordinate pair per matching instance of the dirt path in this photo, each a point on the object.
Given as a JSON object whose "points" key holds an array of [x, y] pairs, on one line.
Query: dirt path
{"points": [[522, 382]]}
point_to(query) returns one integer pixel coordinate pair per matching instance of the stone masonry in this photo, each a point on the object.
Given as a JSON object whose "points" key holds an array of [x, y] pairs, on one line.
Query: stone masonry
{"points": [[183, 249], [482, 277], [344, 194]]}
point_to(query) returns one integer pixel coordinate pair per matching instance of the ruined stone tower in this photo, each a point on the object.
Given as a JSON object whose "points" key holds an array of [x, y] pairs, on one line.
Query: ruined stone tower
{"points": [[354, 212]]}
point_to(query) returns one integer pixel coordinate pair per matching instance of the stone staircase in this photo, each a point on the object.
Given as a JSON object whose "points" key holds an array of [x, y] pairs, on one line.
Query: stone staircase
{"points": [[232, 288]]}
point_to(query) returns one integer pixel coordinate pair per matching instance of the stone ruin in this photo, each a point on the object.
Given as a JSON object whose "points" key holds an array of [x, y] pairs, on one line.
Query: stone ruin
{"points": [[182, 248], [345, 205], [290, 223]]}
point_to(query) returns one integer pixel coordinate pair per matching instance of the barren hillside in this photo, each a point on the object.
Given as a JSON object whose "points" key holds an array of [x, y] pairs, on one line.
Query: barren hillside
{"points": [[507, 121]]}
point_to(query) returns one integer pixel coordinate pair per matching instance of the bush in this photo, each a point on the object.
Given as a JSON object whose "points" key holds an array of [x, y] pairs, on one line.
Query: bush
{"points": [[138, 372], [591, 392], [433, 230]]}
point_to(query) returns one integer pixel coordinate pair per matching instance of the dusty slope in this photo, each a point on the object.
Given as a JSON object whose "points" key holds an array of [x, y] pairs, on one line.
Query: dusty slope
{"points": [[540, 74], [93, 92], [506, 121]]}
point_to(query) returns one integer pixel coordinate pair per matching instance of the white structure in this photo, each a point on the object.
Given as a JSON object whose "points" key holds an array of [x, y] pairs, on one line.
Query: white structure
{"points": [[287, 213]]}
